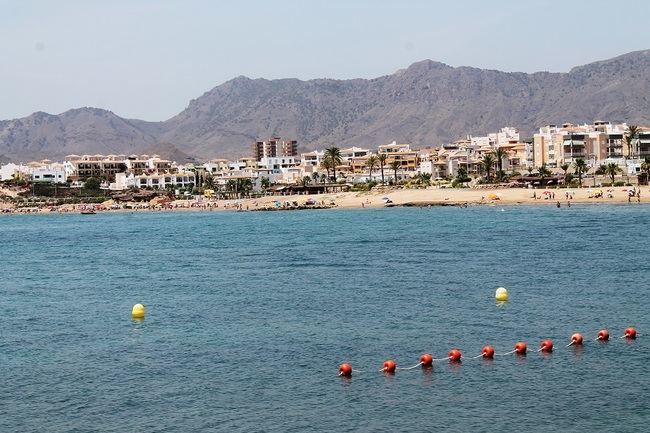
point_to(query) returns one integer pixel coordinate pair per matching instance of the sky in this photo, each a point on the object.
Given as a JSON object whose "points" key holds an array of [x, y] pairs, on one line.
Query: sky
{"points": [[147, 59]]}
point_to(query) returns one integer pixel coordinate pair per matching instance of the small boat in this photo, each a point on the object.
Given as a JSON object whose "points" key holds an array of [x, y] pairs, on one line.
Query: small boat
{"points": [[88, 212]]}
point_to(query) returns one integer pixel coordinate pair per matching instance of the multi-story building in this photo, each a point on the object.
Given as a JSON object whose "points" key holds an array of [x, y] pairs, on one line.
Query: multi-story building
{"points": [[274, 147], [595, 143], [277, 164], [153, 180], [312, 159], [37, 171], [107, 166], [354, 152], [402, 153]]}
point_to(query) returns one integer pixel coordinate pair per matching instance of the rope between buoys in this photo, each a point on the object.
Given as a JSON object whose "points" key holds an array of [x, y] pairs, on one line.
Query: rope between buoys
{"points": [[570, 344], [356, 371], [477, 356], [504, 354], [440, 359], [410, 368]]}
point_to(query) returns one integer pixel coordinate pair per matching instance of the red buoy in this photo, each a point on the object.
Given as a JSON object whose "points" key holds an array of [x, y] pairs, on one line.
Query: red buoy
{"points": [[576, 338], [389, 366], [488, 352], [630, 333], [603, 335], [454, 355], [426, 360], [546, 346], [520, 348], [345, 370]]}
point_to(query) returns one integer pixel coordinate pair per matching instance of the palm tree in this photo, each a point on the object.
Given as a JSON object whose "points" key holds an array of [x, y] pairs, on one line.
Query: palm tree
{"points": [[499, 154], [382, 162], [630, 137], [231, 186], [334, 156], [565, 168], [488, 163], [395, 165], [265, 183], [645, 166], [611, 169], [245, 186], [305, 181], [581, 167], [372, 163], [326, 163], [208, 182], [314, 176], [543, 172], [323, 178]]}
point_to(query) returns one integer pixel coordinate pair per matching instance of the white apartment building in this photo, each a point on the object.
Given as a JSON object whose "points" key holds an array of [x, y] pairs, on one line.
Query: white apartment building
{"points": [[158, 180], [44, 171], [312, 159]]}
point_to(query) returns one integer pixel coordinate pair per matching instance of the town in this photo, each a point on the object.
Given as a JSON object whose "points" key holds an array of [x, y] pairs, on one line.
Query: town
{"points": [[564, 154]]}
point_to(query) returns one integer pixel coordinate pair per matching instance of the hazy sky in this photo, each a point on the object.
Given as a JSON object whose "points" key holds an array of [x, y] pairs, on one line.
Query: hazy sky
{"points": [[147, 59]]}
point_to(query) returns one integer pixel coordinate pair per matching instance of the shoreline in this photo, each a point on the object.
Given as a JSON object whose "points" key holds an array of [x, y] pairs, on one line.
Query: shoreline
{"points": [[429, 197]]}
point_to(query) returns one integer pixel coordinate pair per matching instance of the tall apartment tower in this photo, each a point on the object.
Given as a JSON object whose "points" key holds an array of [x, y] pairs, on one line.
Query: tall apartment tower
{"points": [[274, 147]]}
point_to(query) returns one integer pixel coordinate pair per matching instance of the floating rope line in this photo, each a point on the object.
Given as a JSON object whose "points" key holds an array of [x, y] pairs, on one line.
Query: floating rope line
{"points": [[455, 356], [410, 368]]}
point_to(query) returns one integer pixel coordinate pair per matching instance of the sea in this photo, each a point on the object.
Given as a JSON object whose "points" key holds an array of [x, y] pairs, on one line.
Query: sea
{"points": [[249, 314]]}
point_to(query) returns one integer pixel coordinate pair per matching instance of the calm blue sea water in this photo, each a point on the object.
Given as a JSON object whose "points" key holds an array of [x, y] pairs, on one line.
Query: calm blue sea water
{"points": [[249, 315]]}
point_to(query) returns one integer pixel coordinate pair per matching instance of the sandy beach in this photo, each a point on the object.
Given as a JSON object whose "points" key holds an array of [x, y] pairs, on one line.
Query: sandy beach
{"points": [[449, 196], [431, 196]]}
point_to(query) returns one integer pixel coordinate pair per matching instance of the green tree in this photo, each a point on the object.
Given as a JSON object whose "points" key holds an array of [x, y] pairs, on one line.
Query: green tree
{"points": [[208, 181], [488, 163], [333, 154], [611, 169], [543, 172], [305, 181], [645, 167], [382, 162], [323, 178], [92, 183], [461, 175], [565, 169], [326, 164], [315, 176], [581, 167], [499, 155], [371, 163], [265, 183], [395, 165], [630, 140]]}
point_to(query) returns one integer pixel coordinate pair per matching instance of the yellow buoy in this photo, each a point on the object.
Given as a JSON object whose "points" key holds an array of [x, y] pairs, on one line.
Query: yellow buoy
{"points": [[138, 311], [501, 294]]}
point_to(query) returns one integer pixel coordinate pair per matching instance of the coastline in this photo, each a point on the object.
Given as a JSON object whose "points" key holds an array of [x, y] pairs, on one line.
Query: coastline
{"points": [[429, 197]]}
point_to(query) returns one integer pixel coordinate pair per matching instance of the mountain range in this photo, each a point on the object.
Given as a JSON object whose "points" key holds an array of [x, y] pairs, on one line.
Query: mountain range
{"points": [[426, 104]]}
